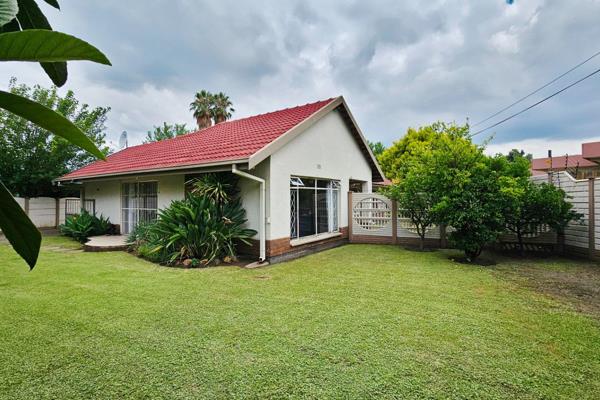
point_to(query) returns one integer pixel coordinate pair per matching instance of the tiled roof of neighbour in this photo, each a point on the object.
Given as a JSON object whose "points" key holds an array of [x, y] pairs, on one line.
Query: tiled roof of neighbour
{"points": [[227, 141], [543, 164]]}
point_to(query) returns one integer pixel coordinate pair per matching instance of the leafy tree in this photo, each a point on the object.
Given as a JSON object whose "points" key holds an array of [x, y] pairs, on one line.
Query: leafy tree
{"points": [[516, 154], [468, 189], [529, 206], [202, 107], [32, 155], [166, 131], [26, 35], [416, 199], [221, 107], [377, 148], [559, 211], [208, 107], [393, 160]]}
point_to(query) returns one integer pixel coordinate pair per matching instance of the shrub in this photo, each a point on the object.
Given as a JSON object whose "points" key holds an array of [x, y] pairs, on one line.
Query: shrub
{"points": [[141, 242], [219, 187], [82, 226], [198, 228]]}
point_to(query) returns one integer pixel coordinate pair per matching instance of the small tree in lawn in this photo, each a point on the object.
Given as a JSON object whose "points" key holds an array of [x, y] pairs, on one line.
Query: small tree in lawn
{"points": [[526, 207], [467, 184], [529, 206], [416, 199], [559, 211]]}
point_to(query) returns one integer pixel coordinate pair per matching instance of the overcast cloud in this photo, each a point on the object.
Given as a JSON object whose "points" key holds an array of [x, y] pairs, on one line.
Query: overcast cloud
{"points": [[397, 63]]}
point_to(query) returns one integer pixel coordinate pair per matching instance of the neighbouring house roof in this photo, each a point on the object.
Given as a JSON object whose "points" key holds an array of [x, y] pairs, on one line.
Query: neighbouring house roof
{"points": [[246, 140], [590, 150], [561, 162]]}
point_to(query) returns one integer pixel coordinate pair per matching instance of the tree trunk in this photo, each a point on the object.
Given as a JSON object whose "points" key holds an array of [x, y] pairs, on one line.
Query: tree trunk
{"points": [[422, 242], [203, 122], [472, 254], [520, 240]]}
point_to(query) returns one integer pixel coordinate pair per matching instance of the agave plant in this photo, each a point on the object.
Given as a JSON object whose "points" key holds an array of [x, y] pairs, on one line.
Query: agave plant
{"points": [[202, 107], [199, 228], [80, 227], [219, 187], [222, 107]]}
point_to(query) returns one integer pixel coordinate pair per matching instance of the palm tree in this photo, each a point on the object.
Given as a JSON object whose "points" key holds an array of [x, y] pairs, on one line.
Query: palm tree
{"points": [[222, 107], [202, 107]]}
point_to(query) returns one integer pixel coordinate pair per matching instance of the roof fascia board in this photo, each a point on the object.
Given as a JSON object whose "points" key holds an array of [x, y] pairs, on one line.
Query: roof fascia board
{"points": [[362, 137], [288, 136], [210, 167]]}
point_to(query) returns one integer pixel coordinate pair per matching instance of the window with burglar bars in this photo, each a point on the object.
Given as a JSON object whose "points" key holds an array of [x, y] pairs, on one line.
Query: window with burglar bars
{"points": [[314, 206], [139, 203], [73, 207]]}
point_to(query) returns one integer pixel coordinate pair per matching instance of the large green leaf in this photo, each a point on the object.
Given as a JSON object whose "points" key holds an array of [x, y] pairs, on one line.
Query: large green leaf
{"points": [[31, 17], [18, 229], [8, 11], [48, 119], [53, 3], [47, 46]]}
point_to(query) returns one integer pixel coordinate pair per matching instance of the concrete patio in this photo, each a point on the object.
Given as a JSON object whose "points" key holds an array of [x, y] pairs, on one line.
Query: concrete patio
{"points": [[106, 243]]}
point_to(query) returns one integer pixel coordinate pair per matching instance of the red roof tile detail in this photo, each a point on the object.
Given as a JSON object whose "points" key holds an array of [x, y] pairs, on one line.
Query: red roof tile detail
{"points": [[227, 141], [543, 164]]}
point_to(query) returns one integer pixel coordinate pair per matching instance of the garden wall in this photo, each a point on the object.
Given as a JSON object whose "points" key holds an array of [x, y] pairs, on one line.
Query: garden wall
{"points": [[47, 212], [376, 219], [583, 237]]}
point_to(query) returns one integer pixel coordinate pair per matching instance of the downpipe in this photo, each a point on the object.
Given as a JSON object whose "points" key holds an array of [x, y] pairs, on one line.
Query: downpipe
{"points": [[262, 209]]}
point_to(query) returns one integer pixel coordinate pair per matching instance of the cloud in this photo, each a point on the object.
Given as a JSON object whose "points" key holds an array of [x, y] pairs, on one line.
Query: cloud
{"points": [[539, 147], [398, 64]]}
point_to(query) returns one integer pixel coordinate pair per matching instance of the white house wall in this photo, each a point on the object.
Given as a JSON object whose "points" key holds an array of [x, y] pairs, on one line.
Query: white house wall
{"points": [[250, 194], [325, 150], [108, 193]]}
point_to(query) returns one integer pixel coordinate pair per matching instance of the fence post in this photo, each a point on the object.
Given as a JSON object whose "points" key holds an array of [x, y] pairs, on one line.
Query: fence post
{"points": [[443, 243], [57, 215], [81, 199], [394, 222], [350, 220], [591, 218], [26, 205]]}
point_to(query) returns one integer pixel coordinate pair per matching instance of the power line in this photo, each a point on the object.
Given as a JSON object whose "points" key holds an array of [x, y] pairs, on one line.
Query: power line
{"points": [[538, 103], [537, 90]]}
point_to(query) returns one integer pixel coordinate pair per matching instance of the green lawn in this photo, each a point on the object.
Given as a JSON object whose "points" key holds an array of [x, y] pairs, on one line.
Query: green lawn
{"points": [[358, 321]]}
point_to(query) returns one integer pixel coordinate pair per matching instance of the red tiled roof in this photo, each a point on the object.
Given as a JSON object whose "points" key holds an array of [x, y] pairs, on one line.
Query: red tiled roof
{"points": [[227, 141], [543, 164]]}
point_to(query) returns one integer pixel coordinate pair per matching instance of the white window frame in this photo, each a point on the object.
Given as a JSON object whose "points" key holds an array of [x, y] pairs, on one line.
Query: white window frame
{"points": [[334, 185], [136, 209]]}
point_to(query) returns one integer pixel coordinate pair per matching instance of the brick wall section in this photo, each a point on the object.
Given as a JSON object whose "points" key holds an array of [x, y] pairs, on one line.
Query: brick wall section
{"points": [[280, 249]]}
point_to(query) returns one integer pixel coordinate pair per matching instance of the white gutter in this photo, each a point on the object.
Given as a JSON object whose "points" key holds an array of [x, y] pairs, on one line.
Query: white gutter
{"points": [[262, 209]]}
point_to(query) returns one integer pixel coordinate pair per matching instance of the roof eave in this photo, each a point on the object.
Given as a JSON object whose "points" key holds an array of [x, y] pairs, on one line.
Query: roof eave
{"points": [[182, 168]]}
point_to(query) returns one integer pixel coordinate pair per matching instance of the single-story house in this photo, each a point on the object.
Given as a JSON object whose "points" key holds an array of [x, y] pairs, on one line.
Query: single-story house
{"points": [[296, 167]]}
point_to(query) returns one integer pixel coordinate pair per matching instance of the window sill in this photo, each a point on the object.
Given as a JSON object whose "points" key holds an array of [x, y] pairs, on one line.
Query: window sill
{"points": [[314, 238]]}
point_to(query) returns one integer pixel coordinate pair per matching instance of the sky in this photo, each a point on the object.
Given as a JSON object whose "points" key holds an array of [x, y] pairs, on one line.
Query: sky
{"points": [[398, 64]]}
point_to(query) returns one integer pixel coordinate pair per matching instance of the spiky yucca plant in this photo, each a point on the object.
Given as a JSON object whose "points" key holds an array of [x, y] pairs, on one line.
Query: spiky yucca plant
{"points": [[199, 228]]}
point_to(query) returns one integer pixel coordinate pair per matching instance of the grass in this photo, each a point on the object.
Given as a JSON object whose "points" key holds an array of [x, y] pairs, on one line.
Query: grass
{"points": [[360, 321]]}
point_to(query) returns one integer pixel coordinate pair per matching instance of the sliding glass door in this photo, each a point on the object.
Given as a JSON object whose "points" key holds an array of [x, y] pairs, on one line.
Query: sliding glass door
{"points": [[314, 206], [139, 203]]}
